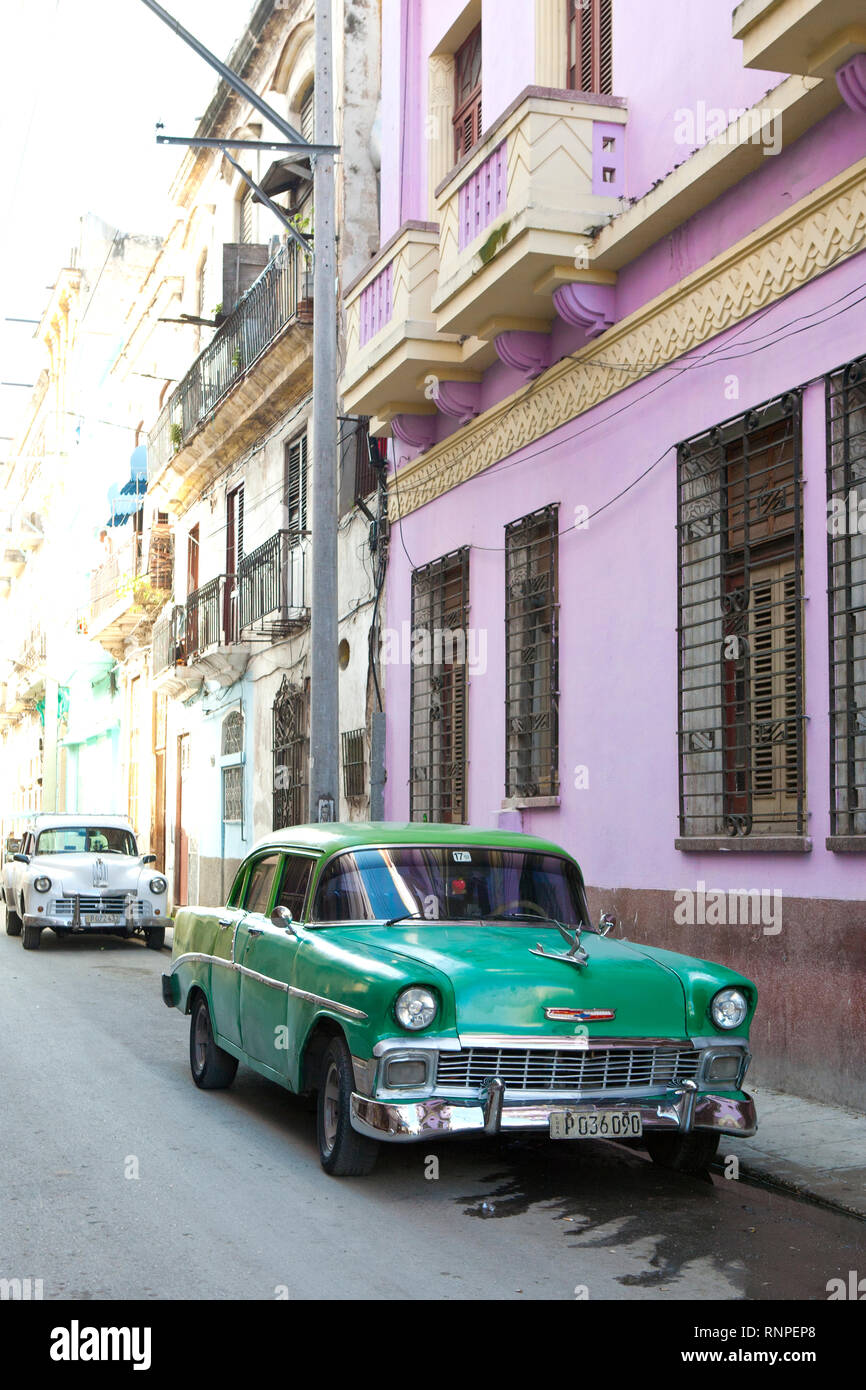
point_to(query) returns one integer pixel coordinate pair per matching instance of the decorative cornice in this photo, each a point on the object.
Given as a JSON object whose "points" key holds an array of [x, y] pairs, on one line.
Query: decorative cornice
{"points": [[528, 353], [590, 307], [418, 431], [788, 251], [459, 399]]}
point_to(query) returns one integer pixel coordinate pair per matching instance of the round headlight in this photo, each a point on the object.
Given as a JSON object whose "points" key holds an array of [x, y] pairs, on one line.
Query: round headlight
{"points": [[729, 1008], [158, 885], [415, 1008], [42, 884]]}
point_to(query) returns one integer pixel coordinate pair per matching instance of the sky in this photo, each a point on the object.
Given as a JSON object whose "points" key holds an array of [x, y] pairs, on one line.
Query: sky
{"points": [[82, 85]]}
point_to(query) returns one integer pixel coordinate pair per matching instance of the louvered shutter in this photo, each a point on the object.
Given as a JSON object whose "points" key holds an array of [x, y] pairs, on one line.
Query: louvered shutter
{"points": [[773, 616]]}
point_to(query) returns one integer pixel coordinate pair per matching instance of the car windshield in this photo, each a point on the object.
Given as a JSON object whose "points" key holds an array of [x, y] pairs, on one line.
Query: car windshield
{"points": [[86, 839], [445, 883]]}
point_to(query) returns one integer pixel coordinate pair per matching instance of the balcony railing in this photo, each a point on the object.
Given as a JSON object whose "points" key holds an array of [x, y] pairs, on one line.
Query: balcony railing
{"points": [[272, 583], [211, 616], [116, 577], [268, 305], [169, 639]]}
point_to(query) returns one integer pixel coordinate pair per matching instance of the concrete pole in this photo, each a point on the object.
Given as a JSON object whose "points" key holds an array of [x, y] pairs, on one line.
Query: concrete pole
{"points": [[324, 704]]}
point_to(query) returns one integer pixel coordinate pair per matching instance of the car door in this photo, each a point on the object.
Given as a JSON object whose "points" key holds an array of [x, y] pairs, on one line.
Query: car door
{"points": [[268, 961], [225, 979]]}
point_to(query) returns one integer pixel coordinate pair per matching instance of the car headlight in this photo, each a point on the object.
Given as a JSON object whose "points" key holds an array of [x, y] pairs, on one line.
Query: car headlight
{"points": [[158, 885], [42, 883], [416, 1008], [728, 1008]]}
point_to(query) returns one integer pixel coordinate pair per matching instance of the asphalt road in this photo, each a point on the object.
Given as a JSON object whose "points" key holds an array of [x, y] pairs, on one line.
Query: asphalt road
{"points": [[121, 1180]]}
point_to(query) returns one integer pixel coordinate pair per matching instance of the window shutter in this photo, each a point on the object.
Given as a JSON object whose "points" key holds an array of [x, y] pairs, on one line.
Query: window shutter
{"points": [[467, 95], [308, 115], [240, 525], [296, 484], [590, 46]]}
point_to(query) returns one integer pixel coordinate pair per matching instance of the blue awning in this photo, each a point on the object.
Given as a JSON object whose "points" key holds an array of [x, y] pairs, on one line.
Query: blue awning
{"points": [[125, 499]]}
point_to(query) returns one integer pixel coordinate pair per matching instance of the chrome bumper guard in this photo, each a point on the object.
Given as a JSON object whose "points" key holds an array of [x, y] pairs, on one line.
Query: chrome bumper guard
{"points": [[681, 1108]]}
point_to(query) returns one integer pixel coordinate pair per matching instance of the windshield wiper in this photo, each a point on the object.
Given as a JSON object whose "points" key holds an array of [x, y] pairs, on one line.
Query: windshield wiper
{"points": [[403, 917]]}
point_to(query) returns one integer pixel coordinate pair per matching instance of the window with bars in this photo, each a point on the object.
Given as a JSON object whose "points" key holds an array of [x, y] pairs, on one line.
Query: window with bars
{"points": [[467, 95], [354, 781], [233, 795], [232, 734], [531, 655], [846, 568], [291, 755], [437, 754], [590, 46], [741, 689], [296, 485]]}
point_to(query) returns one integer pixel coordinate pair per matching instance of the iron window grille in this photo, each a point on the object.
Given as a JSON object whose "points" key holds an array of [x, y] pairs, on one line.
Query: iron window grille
{"points": [[233, 795], [740, 626], [846, 568], [437, 751], [532, 655], [590, 46], [291, 755], [354, 780], [467, 95], [233, 734]]}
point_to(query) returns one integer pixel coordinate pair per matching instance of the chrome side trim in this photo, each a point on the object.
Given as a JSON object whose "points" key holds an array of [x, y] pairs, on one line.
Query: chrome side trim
{"points": [[581, 1043], [345, 1009], [426, 1043]]}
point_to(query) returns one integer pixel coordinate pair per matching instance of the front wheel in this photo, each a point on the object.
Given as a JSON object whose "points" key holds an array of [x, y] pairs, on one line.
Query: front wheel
{"points": [[342, 1151], [684, 1153], [13, 922], [154, 938], [30, 940], [212, 1068]]}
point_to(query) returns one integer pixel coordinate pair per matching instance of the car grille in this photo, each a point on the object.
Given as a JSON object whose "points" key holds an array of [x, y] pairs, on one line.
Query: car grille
{"points": [[590, 1069], [63, 907]]}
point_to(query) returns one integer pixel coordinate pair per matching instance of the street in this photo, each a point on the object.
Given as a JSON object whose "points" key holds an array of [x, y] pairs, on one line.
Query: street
{"points": [[121, 1180]]}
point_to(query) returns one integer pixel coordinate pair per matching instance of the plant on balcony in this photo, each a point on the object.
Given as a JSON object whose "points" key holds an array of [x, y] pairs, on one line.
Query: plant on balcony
{"points": [[175, 433], [494, 243], [237, 359], [150, 600]]}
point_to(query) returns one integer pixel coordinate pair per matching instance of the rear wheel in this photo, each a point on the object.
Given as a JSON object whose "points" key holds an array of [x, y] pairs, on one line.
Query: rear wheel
{"points": [[342, 1151], [212, 1068], [30, 940], [154, 938], [684, 1153], [13, 922]]}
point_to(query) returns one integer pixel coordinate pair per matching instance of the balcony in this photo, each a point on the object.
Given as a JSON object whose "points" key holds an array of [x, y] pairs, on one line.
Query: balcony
{"points": [[391, 337], [814, 38], [273, 588], [258, 362], [129, 587], [444, 300], [512, 211]]}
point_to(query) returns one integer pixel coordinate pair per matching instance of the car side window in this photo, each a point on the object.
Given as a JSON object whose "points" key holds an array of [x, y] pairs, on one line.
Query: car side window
{"points": [[260, 883], [341, 896], [235, 894], [294, 883]]}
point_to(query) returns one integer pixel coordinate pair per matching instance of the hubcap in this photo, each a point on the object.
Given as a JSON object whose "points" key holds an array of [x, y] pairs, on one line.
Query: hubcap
{"points": [[201, 1039], [331, 1106]]}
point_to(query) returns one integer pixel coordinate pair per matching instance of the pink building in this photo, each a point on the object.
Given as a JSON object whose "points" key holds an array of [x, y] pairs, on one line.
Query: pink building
{"points": [[616, 331]]}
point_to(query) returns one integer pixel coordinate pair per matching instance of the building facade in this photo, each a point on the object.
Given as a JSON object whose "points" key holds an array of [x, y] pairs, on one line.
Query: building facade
{"points": [[614, 333]]}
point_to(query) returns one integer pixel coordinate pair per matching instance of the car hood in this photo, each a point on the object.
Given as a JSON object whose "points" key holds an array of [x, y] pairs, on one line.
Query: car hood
{"points": [[75, 871], [499, 987]]}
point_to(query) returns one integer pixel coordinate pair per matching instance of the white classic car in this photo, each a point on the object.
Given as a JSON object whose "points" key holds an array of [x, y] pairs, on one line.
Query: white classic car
{"points": [[83, 873]]}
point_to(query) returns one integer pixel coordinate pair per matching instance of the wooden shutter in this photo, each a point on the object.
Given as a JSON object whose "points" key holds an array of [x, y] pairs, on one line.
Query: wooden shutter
{"points": [[590, 46], [308, 115], [467, 95], [774, 699], [296, 485]]}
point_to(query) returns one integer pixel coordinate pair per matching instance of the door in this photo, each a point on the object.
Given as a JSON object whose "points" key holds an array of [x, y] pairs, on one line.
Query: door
{"points": [[225, 979], [234, 555], [268, 960], [181, 840], [192, 550]]}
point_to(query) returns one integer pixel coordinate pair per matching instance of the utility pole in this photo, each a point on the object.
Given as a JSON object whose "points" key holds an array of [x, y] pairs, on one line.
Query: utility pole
{"points": [[324, 705], [324, 709]]}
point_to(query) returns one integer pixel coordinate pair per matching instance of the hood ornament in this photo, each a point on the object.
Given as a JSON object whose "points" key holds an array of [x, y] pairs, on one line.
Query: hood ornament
{"points": [[100, 874], [575, 956]]}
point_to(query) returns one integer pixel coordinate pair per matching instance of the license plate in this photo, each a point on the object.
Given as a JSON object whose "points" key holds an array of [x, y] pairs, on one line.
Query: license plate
{"points": [[100, 919], [596, 1124]]}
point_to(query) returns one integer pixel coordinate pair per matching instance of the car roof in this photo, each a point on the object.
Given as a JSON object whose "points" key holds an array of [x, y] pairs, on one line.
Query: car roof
{"points": [[332, 836], [48, 820]]}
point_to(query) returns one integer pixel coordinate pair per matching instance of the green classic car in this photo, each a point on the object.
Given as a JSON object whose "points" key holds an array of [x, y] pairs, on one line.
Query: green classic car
{"points": [[428, 980]]}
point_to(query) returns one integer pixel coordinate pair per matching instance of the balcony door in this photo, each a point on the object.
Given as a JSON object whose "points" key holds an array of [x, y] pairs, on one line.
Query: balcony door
{"points": [[234, 555], [192, 549]]}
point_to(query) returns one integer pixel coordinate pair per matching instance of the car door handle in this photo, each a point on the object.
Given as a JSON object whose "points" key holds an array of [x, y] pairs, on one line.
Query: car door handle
{"points": [[224, 921], [255, 931]]}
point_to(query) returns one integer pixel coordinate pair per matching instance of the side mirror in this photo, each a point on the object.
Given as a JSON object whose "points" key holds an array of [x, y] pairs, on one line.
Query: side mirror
{"points": [[282, 917], [148, 859], [21, 858], [606, 923]]}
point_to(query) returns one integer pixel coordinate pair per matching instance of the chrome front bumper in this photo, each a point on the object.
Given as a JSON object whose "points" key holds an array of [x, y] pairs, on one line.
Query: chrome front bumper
{"points": [[680, 1109], [70, 925]]}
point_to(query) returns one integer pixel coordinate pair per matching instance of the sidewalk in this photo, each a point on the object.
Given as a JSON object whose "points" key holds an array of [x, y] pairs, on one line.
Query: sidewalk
{"points": [[817, 1150]]}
